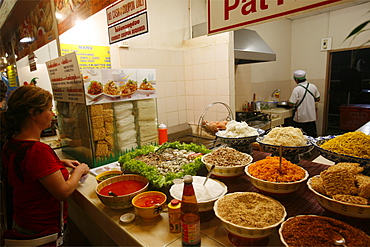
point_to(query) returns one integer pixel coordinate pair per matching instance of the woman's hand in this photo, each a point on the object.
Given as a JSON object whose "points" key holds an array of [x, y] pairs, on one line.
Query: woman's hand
{"points": [[84, 168], [70, 163]]}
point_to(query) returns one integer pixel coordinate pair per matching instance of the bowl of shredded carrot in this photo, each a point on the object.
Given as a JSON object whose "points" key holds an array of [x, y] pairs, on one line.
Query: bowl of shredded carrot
{"points": [[352, 147], [269, 177]]}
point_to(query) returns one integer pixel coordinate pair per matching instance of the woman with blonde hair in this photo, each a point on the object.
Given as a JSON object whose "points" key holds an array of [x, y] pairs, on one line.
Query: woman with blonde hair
{"points": [[38, 178]]}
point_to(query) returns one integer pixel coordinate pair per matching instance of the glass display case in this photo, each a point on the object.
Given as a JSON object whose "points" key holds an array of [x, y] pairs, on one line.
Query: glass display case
{"points": [[119, 115]]}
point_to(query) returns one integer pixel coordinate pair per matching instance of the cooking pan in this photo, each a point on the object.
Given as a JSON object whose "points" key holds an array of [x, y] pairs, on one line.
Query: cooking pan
{"points": [[283, 104]]}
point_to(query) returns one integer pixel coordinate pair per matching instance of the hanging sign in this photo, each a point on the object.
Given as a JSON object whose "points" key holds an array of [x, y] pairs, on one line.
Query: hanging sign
{"points": [[66, 79], [32, 61], [229, 15], [124, 9], [132, 27]]}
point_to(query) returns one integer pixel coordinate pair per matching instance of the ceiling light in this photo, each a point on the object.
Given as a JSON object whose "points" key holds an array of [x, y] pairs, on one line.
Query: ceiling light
{"points": [[26, 40], [59, 16]]}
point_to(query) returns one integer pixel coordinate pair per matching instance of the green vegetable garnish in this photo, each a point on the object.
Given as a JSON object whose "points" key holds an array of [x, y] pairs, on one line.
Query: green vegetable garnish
{"points": [[128, 162]]}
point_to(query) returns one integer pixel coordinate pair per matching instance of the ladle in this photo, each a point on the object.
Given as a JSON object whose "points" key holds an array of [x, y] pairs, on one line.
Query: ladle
{"points": [[209, 174], [338, 238], [112, 193], [280, 158]]}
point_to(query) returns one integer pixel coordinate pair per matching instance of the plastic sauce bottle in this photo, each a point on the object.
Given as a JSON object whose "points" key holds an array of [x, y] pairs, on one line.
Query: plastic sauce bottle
{"points": [[190, 219], [162, 133], [174, 215]]}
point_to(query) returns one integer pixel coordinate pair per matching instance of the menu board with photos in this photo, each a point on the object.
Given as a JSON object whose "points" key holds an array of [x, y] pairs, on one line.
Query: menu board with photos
{"points": [[113, 85]]}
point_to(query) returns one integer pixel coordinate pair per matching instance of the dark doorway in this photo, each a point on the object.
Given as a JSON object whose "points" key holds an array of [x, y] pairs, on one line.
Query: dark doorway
{"points": [[349, 84]]}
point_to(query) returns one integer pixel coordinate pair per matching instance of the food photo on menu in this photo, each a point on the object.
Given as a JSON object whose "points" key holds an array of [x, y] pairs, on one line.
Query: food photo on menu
{"points": [[107, 85]]}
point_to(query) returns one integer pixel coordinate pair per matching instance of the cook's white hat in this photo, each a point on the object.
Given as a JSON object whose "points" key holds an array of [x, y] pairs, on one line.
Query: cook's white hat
{"points": [[299, 74]]}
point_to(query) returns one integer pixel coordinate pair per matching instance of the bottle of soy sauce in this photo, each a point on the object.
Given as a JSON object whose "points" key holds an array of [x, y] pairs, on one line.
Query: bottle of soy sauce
{"points": [[190, 219]]}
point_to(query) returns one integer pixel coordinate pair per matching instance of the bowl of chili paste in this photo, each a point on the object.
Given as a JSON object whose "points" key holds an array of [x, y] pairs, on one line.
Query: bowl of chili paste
{"points": [[117, 192]]}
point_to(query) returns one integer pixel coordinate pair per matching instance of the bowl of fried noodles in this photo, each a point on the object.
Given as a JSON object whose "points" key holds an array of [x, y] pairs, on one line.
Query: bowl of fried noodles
{"points": [[352, 147]]}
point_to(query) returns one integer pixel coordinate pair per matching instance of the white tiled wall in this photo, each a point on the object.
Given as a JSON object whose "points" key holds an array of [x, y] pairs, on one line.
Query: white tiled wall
{"points": [[207, 77]]}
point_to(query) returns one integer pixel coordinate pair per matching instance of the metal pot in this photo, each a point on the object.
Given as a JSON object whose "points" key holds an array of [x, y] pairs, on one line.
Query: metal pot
{"points": [[283, 104]]}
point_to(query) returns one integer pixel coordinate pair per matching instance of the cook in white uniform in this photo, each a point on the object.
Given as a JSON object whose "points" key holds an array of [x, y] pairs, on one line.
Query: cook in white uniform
{"points": [[303, 98]]}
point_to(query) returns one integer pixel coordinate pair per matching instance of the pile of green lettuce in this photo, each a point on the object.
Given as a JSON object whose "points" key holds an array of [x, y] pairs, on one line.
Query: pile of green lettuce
{"points": [[157, 180]]}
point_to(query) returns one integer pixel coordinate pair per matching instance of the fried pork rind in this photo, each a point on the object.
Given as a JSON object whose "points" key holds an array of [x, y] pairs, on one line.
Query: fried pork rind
{"points": [[318, 185], [102, 149], [352, 168], [96, 110], [351, 199], [363, 183], [338, 182], [97, 122], [344, 182]]}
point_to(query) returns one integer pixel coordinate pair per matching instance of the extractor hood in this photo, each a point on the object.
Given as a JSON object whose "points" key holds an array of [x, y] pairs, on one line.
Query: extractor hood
{"points": [[249, 47]]}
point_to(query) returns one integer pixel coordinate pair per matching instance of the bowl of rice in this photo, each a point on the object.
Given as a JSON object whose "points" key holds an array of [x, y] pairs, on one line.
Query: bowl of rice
{"points": [[290, 139], [228, 162], [343, 189], [350, 147], [249, 215], [239, 135], [268, 178]]}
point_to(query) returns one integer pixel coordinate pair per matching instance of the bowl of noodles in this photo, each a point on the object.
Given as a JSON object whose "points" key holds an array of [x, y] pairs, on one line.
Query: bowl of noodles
{"points": [[352, 147], [291, 141]]}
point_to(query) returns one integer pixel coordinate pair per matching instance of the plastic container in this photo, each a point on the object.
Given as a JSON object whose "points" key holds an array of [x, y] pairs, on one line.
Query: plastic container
{"points": [[162, 133], [353, 116], [190, 218], [174, 215]]}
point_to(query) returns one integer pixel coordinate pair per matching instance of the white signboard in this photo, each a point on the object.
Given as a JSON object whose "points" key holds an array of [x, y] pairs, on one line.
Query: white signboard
{"points": [[124, 9], [226, 15], [130, 28], [66, 80]]}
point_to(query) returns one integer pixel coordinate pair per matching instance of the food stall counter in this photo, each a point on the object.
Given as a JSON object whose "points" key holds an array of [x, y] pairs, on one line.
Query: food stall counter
{"points": [[101, 224], [278, 115]]}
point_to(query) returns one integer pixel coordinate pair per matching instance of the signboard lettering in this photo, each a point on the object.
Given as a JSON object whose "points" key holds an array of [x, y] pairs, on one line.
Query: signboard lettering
{"points": [[229, 15], [132, 27], [124, 9]]}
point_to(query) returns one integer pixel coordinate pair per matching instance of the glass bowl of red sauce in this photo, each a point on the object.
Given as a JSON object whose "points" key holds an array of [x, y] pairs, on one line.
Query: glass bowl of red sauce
{"points": [[117, 192], [149, 205]]}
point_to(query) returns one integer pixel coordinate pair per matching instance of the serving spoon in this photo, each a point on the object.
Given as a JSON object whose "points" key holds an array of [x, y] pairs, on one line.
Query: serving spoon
{"points": [[112, 193], [209, 174], [338, 239]]}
